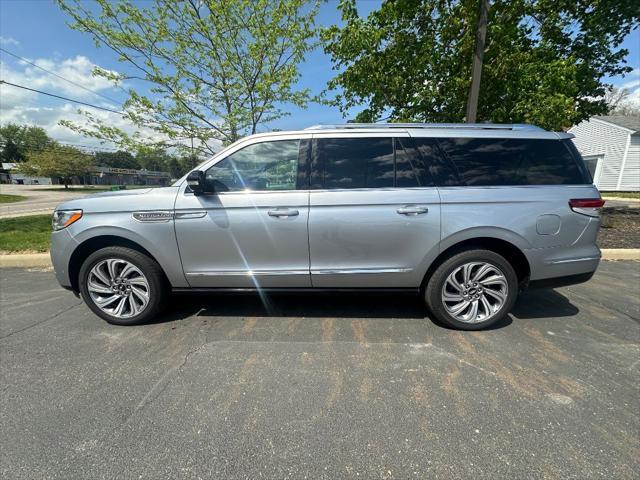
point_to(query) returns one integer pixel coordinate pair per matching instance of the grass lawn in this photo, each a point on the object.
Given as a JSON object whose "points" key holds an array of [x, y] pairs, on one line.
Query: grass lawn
{"points": [[11, 198], [78, 189], [30, 234], [634, 195]]}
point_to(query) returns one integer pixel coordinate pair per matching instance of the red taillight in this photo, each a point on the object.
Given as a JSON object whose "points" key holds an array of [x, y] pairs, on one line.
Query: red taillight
{"points": [[586, 203], [586, 206]]}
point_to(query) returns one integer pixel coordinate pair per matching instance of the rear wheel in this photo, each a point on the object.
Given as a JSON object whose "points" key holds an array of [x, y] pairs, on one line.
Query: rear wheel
{"points": [[122, 286], [472, 290]]}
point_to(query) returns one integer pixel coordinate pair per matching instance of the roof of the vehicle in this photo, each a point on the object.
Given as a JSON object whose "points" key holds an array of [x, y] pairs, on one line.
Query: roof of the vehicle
{"points": [[469, 130]]}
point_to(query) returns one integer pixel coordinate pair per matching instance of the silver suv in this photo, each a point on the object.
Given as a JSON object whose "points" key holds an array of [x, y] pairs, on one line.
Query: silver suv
{"points": [[467, 215]]}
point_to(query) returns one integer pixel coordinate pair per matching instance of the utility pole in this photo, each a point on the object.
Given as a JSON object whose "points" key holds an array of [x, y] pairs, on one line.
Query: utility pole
{"points": [[476, 67]]}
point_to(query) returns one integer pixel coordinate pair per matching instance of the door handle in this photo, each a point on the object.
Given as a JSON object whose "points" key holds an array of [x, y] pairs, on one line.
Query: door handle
{"points": [[412, 210], [283, 212]]}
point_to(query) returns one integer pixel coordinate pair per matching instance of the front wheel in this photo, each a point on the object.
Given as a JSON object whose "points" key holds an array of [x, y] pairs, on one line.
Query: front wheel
{"points": [[472, 290], [122, 286]]}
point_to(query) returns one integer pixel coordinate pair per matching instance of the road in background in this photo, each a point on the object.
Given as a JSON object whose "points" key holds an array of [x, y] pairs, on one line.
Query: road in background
{"points": [[322, 387], [41, 199]]}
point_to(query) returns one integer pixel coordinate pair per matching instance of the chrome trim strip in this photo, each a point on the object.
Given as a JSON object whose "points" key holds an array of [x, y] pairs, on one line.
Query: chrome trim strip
{"points": [[254, 273], [153, 216], [358, 271], [186, 215], [572, 260], [246, 273]]}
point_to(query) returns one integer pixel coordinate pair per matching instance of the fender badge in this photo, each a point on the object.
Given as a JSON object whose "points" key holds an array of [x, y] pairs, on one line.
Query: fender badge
{"points": [[154, 216]]}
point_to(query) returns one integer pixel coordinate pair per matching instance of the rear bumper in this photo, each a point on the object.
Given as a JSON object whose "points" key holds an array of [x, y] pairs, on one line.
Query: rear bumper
{"points": [[562, 266], [560, 281]]}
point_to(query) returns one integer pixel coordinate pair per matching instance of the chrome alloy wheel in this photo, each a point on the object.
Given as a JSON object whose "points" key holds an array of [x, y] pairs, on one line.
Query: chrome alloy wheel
{"points": [[475, 292], [118, 288]]}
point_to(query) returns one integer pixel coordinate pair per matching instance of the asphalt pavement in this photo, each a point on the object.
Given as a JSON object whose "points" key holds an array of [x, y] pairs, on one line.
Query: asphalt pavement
{"points": [[41, 199], [321, 387]]}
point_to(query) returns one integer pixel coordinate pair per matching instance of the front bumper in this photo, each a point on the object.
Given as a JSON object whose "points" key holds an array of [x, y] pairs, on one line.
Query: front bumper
{"points": [[62, 247]]}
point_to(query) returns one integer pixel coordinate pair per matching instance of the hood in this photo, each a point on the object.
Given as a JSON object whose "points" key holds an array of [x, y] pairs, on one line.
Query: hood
{"points": [[124, 200]]}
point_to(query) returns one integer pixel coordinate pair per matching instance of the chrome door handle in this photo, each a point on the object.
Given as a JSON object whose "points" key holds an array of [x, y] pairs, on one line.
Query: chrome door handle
{"points": [[412, 210], [283, 212]]}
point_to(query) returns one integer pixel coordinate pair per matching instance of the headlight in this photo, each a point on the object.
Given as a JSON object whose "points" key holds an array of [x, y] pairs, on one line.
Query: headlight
{"points": [[63, 218]]}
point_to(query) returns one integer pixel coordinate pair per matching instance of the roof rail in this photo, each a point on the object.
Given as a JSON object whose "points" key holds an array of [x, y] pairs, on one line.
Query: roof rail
{"points": [[477, 126]]}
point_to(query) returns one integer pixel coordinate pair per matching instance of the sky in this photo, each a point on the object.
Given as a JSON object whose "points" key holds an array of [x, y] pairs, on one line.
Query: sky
{"points": [[37, 30]]}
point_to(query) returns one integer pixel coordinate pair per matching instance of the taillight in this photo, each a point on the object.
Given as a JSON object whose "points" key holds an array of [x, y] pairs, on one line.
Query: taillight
{"points": [[587, 206]]}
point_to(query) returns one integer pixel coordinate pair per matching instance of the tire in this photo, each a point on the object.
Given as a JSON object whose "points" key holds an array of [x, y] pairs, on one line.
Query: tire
{"points": [[496, 278], [101, 273]]}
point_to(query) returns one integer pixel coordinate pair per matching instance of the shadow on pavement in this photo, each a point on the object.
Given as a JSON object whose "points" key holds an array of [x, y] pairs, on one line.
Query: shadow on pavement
{"points": [[543, 304], [530, 305]]}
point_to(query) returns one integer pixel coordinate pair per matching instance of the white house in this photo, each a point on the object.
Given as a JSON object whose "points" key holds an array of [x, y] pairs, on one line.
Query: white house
{"points": [[610, 146]]}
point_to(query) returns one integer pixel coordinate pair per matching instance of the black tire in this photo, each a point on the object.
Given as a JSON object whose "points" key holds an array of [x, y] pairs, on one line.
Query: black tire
{"points": [[149, 267], [435, 284]]}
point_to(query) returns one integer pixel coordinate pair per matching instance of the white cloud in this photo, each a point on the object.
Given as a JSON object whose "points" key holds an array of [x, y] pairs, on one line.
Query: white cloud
{"points": [[22, 106], [8, 41], [25, 107]]}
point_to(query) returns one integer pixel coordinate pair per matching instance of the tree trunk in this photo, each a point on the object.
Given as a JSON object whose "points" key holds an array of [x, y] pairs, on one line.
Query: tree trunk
{"points": [[476, 67]]}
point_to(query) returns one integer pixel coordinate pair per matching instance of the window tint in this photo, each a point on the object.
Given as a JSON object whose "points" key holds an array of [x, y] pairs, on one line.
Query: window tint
{"points": [[411, 169], [500, 161], [352, 163], [439, 170], [261, 166]]}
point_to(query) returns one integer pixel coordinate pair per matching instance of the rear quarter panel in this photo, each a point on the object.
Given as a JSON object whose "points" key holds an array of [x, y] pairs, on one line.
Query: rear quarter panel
{"points": [[536, 219]]}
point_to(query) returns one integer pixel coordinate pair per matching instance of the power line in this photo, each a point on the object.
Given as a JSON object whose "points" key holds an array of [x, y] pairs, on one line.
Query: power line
{"points": [[56, 75], [60, 97]]}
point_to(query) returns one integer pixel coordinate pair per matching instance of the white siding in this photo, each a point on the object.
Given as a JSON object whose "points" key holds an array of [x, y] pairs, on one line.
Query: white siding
{"points": [[595, 137], [631, 173]]}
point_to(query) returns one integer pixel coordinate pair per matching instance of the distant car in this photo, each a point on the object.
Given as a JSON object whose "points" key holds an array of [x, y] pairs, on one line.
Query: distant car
{"points": [[467, 215]]}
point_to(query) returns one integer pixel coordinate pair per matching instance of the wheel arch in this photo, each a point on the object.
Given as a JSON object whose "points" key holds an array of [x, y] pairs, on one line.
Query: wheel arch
{"points": [[93, 244], [510, 251]]}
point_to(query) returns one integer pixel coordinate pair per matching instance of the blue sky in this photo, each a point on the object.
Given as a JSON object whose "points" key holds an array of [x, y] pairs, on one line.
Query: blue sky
{"points": [[37, 30]]}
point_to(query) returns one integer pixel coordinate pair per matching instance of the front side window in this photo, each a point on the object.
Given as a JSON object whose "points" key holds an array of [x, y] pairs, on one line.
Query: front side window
{"points": [[261, 166]]}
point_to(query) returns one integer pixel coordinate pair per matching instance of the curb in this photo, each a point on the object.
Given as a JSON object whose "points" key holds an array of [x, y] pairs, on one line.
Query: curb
{"points": [[25, 260], [34, 260], [621, 254]]}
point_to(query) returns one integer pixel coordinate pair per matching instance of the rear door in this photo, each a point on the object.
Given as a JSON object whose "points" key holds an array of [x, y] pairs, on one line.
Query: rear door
{"points": [[374, 213], [252, 232]]}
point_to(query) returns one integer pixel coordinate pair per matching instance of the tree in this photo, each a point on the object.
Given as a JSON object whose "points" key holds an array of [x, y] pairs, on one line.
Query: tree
{"points": [[545, 62], [217, 69], [57, 161], [17, 140], [119, 159], [153, 159]]}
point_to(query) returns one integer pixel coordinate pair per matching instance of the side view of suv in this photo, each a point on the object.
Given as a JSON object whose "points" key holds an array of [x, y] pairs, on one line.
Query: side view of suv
{"points": [[467, 215]]}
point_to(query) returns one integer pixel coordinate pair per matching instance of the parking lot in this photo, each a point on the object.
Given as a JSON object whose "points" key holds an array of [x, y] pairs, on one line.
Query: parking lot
{"points": [[352, 386]]}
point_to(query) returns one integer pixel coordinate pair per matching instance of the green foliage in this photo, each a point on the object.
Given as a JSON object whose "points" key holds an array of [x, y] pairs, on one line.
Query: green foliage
{"points": [[119, 159], [217, 69], [17, 140], [545, 61], [31, 233], [57, 161], [4, 198]]}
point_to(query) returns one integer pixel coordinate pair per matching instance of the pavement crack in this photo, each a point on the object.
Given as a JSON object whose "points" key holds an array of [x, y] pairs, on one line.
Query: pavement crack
{"points": [[41, 322]]}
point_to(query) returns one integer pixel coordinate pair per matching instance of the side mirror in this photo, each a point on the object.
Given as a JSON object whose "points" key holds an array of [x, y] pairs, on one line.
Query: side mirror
{"points": [[196, 182]]}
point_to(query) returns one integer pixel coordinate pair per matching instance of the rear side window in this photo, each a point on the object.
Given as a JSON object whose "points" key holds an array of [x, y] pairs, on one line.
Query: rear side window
{"points": [[342, 163], [502, 161], [352, 163]]}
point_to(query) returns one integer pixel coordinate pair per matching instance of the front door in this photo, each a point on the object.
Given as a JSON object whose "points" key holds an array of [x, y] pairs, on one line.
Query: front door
{"points": [[374, 213], [252, 232]]}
